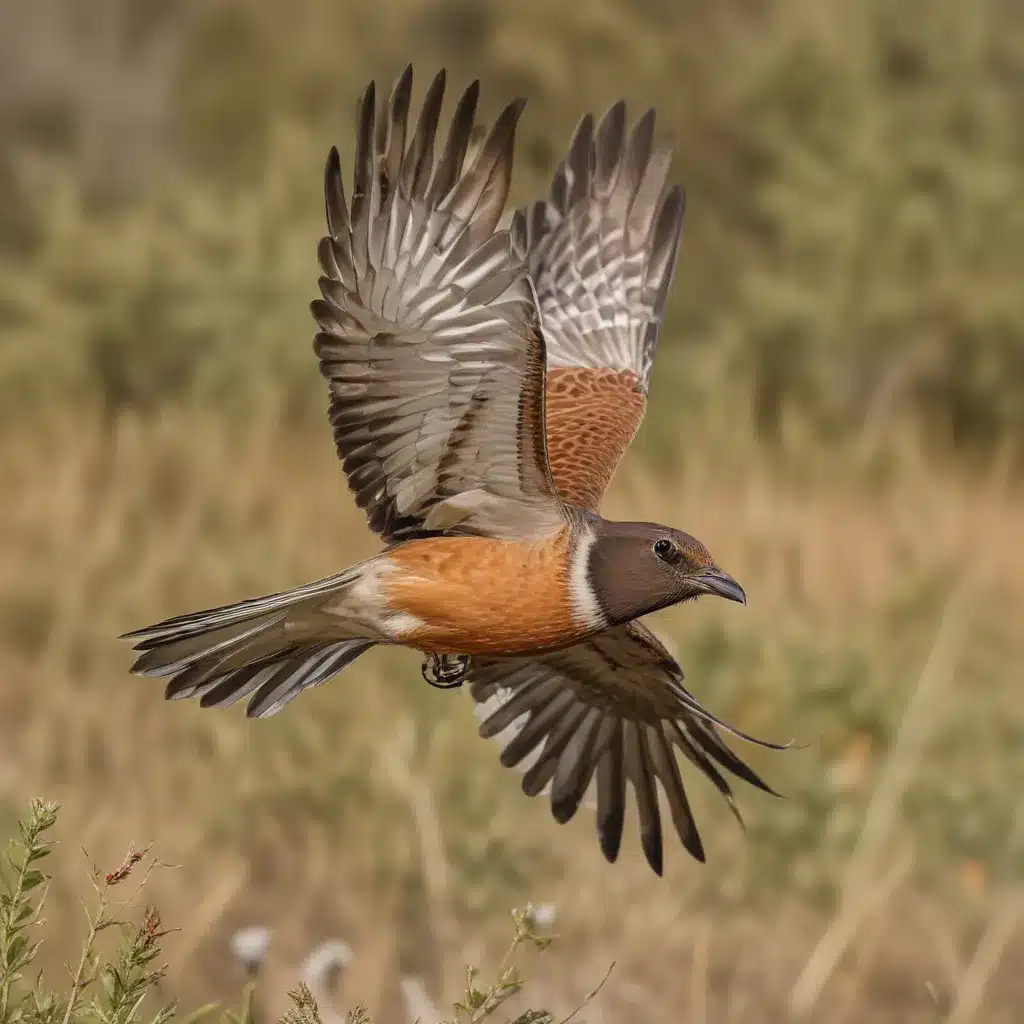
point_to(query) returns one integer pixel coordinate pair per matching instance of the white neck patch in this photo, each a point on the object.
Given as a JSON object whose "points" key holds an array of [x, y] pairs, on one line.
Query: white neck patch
{"points": [[586, 609]]}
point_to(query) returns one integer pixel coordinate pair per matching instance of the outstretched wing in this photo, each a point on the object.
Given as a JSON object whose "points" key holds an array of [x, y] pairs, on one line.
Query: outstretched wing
{"points": [[602, 251], [595, 716], [429, 336]]}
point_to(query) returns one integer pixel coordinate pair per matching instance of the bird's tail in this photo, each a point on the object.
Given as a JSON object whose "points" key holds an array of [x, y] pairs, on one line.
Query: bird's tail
{"points": [[271, 647]]}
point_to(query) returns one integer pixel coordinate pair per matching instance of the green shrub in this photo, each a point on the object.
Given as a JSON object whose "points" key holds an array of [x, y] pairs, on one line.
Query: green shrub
{"points": [[114, 987], [853, 245], [889, 275]]}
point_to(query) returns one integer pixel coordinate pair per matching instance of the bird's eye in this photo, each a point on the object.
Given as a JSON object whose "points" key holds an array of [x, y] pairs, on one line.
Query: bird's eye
{"points": [[666, 551]]}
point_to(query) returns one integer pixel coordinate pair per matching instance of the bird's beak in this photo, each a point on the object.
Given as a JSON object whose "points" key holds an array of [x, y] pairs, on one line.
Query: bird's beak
{"points": [[722, 584]]}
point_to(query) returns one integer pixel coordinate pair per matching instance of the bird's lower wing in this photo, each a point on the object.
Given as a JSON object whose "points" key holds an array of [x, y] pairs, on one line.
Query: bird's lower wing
{"points": [[590, 718]]}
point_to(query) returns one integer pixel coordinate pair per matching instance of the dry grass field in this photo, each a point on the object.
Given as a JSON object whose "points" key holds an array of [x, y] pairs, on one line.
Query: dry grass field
{"points": [[837, 412], [880, 634]]}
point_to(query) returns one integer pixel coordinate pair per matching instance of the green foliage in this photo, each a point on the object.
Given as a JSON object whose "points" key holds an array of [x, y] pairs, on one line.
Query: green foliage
{"points": [[19, 909], [189, 296], [120, 984], [854, 239], [889, 275]]}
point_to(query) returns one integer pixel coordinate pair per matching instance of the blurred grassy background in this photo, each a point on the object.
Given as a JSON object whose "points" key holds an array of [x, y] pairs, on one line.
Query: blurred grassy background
{"points": [[838, 411]]}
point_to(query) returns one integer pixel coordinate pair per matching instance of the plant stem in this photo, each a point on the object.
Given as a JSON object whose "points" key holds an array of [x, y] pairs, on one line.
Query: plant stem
{"points": [[6, 930], [77, 983], [487, 1007]]}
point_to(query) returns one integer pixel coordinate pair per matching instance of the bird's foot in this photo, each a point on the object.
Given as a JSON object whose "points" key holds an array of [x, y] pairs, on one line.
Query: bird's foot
{"points": [[445, 671]]}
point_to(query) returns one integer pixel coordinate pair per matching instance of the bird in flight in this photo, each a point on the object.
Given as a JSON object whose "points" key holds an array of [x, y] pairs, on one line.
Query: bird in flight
{"points": [[484, 384]]}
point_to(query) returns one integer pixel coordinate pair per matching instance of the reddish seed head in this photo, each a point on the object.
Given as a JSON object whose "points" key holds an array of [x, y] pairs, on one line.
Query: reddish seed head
{"points": [[131, 859]]}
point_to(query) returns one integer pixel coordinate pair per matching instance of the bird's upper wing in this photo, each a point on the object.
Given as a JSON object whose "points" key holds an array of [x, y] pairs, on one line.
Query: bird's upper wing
{"points": [[429, 335], [602, 251], [593, 717]]}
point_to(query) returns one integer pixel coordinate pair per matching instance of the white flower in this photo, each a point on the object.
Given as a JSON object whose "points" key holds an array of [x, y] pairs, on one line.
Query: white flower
{"points": [[249, 946], [543, 915]]}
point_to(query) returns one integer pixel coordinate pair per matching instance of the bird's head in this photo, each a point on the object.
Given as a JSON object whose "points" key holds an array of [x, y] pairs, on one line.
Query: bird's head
{"points": [[637, 568]]}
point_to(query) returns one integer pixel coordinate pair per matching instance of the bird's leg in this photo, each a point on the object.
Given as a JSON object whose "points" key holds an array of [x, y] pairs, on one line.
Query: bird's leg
{"points": [[445, 671]]}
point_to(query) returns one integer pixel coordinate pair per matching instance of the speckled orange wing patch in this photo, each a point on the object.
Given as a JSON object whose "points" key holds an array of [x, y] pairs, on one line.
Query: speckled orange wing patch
{"points": [[478, 595], [592, 415]]}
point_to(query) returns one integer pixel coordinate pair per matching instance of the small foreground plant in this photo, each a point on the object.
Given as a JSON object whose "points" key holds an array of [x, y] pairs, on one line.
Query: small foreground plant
{"points": [[482, 1002], [107, 990], [111, 989]]}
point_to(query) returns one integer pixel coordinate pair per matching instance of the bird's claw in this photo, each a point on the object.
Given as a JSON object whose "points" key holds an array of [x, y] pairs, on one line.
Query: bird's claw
{"points": [[445, 671]]}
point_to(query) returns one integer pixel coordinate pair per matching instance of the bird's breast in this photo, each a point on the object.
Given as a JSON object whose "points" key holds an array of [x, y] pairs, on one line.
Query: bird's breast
{"points": [[477, 595]]}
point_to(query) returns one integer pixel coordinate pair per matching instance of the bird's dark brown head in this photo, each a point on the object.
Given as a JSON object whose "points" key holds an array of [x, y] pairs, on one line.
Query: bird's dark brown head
{"points": [[637, 568]]}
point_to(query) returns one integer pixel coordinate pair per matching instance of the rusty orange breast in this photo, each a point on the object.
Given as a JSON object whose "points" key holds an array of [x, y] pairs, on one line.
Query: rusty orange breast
{"points": [[478, 595], [592, 415]]}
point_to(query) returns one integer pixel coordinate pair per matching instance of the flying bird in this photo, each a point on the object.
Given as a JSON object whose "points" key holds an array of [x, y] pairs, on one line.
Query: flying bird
{"points": [[483, 386]]}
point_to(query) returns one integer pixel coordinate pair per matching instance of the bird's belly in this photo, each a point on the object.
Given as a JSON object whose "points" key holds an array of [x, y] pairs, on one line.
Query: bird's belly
{"points": [[475, 595]]}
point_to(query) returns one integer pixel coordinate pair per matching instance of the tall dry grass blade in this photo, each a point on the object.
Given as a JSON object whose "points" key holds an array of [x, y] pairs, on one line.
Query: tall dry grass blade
{"points": [[1002, 927], [415, 789], [208, 913], [700, 966], [918, 724], [841, 933]]}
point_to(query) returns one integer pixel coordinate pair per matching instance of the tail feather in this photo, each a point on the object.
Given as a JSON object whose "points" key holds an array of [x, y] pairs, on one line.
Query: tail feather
{"points": [[228, 688], [230, 614], [302, 671], [271, 647], [199, 677], [181, 651]]}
